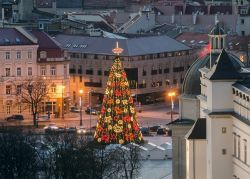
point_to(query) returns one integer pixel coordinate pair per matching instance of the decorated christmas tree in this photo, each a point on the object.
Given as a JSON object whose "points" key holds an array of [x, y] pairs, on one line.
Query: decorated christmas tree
{"points": [[117, 122]]}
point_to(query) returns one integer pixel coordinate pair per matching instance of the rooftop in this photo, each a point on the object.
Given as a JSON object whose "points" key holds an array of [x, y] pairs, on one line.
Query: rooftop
{"points": [[198, 131], [131, 46], [11, 36]]}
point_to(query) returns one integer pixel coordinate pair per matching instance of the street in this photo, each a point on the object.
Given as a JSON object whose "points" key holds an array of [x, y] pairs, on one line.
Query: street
{"points": [[151, 115]]}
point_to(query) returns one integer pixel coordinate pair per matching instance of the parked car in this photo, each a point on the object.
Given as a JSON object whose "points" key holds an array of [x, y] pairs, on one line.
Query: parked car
{"points": [[15, 117], [71, 129], [154, 128], [74, 109], [43, 118], [145, 131], [50, 128], [81, 130], [92, 111], [161, 131]]}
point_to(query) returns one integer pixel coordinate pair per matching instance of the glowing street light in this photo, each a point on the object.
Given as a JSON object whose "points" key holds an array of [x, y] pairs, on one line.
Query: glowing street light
{"points": [[81, 92], [172, 95]]}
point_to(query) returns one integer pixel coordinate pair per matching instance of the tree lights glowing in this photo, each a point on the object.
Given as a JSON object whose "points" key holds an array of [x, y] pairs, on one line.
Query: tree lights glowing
{"points": [[117, 122]]}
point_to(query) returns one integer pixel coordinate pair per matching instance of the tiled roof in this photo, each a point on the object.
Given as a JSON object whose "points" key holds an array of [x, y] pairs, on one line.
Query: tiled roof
{"points": [[131, 47], [11, 36], [198, 131]]}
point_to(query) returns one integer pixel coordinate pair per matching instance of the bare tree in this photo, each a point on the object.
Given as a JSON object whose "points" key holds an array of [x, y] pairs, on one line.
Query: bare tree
{"points": [[30, 93]]}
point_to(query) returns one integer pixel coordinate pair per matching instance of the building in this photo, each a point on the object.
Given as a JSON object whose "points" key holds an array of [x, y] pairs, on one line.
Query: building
{"points": [[18, 61], [53, 66], [191, 105], [26, 55], [153, 65]]}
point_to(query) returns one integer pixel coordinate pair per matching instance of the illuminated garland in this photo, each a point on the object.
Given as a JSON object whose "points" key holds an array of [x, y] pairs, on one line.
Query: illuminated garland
{"points": [[117, 122]]}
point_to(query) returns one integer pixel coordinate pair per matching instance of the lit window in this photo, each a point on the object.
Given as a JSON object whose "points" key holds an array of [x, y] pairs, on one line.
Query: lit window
{"points": [[53, 88], [18, 72], [29, 71], [18, 55], [8, 109], [19, 109], [7, 55]]}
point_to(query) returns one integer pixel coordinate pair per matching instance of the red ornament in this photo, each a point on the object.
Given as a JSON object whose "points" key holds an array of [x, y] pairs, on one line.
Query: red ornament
{"points": [[126, 118], [118, 93], [124, 75], [103, 110]]}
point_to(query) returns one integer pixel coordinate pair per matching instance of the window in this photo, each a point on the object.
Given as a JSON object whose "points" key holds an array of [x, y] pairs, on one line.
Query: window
{"points": [[7, 55], [43, 54], [53, 88], [53, 70], [99, 72], [8, 109], [245, 151], [224, 151], [224, 130], [8, 89], [18, 55], [18, 72], [235, 140], [238, 147], [7, 71], [19, 109], [29, 71], [43, 70], [18, 89], [243, 33], [242, 21], [29, 54], [144, 72]]}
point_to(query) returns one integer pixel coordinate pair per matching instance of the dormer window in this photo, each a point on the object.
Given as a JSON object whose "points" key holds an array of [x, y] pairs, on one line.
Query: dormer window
{"points": [[43, 54]]}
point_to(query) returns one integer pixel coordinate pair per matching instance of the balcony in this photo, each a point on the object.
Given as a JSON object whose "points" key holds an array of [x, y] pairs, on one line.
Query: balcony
{"points": [[93, 84], [45, 60]]}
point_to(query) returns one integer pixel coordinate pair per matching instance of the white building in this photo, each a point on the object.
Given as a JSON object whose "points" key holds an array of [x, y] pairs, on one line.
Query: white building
{"points": [[217, 146]]}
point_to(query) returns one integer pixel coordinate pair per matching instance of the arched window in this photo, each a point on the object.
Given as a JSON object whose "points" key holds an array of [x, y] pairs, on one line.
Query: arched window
{"points": [[222, 43], [216, 43]]}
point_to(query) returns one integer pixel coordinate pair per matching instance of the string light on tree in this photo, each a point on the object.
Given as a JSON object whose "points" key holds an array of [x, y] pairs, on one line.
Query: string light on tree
{"points": [[117, 122]]}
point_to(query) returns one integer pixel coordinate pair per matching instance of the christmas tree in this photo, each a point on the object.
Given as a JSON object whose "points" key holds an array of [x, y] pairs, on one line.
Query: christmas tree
{"points": [[117, 122]]}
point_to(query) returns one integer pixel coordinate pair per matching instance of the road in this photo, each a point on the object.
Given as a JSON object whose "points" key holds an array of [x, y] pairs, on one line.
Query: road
{"points": [[156, 114]]}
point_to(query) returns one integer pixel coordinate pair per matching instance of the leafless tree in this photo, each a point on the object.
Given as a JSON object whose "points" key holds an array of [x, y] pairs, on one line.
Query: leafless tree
{"points": [[30, 93]]}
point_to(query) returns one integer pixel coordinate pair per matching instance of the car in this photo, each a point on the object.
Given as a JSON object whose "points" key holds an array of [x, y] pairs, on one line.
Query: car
{"points": [[50, 128], [92, 111], [81, 130], [61, 129], [154, 128], [71, 129], [145, 131], [74, 109], [161, 131], [43, 118], [15, 117]]}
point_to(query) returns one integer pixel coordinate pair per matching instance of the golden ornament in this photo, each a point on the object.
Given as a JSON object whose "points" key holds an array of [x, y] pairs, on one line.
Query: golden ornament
{"points": [[110, 127], [121, 141], [118, 75], [107, 91], [117, 101], [129, 126], [125, 102], [132, 110], [99, 139], [109, 110], [120, 122], [125, 110]]}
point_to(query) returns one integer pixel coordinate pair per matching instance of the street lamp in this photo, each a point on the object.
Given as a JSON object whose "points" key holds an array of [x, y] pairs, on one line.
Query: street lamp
{"points": [[90, 108], [81, 92], [172, 95], [63, 101]]}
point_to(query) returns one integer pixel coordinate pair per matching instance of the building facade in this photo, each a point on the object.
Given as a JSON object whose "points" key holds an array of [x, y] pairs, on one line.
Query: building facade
{"points": [[25, 55], [153, 65]]}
